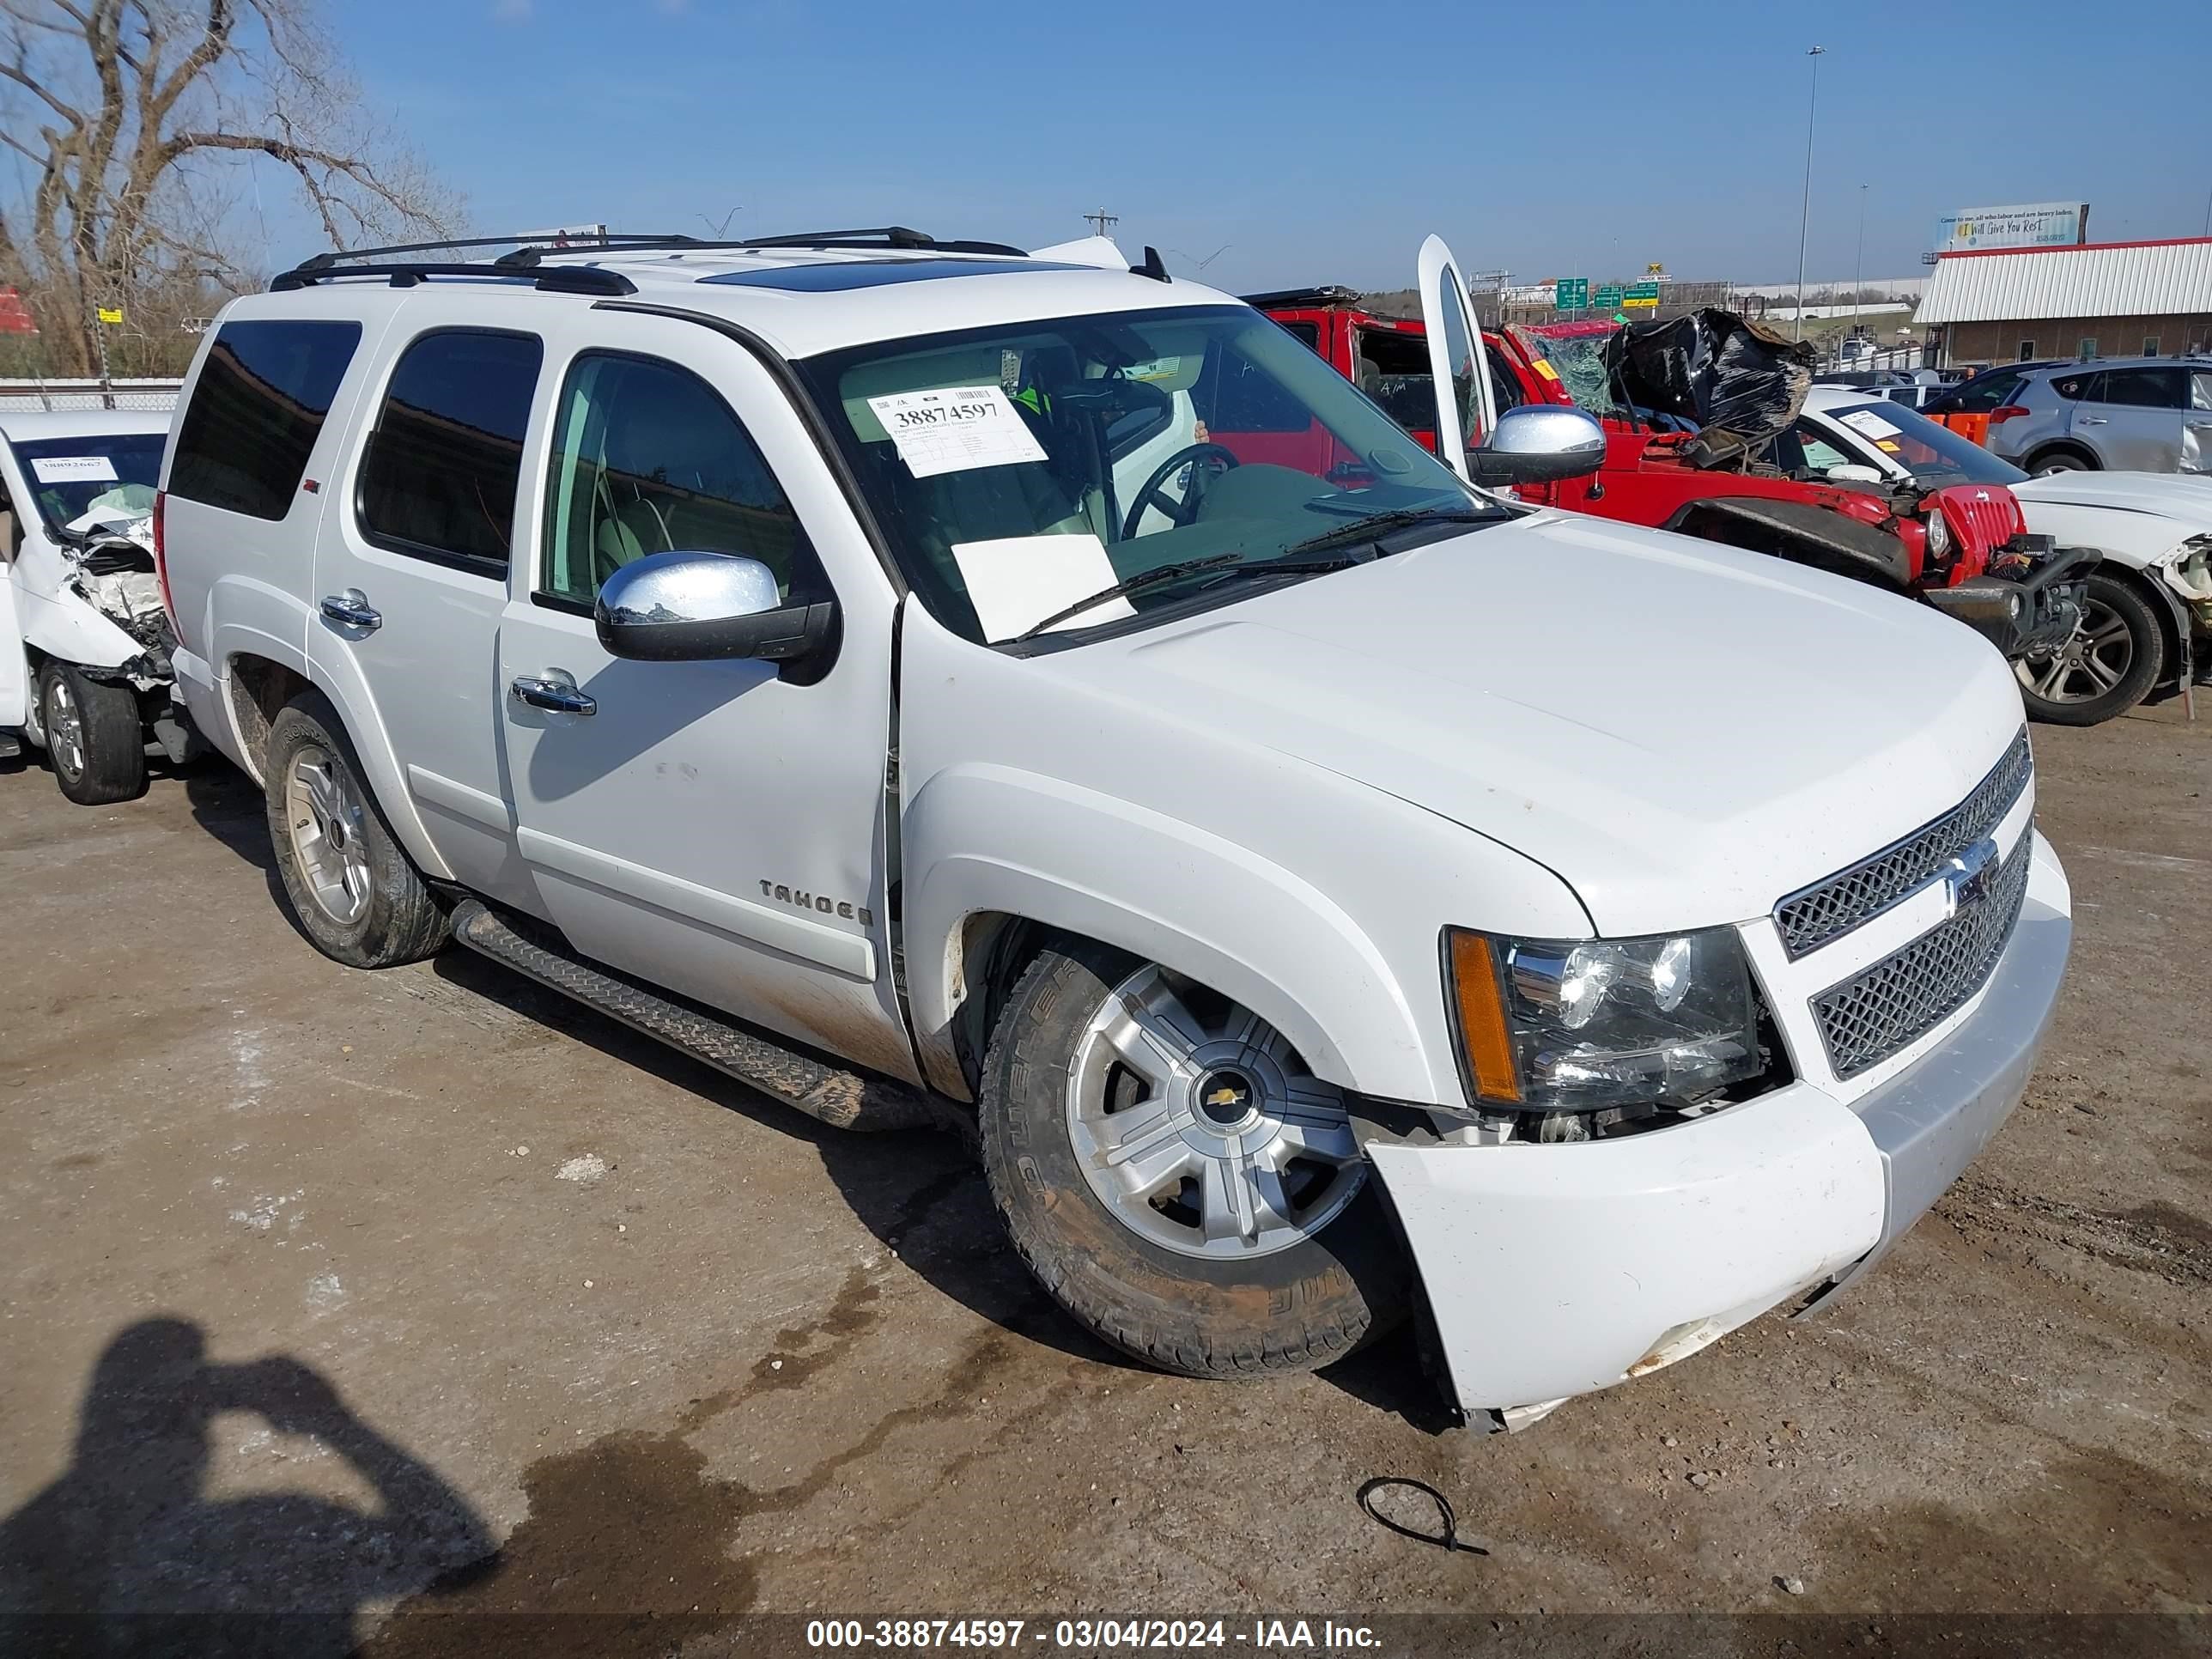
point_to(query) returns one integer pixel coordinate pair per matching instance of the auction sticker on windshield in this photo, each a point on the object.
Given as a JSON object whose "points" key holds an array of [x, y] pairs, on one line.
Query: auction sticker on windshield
{"points": [[74, 469], [955, 429], [1866, 421]]}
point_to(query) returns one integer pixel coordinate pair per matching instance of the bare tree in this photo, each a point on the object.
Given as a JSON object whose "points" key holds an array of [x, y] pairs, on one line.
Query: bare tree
{"points": [[124, 113]]}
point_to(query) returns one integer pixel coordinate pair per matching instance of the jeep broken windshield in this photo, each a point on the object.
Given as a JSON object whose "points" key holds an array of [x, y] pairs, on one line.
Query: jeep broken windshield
{"points": [[1161, 458]]}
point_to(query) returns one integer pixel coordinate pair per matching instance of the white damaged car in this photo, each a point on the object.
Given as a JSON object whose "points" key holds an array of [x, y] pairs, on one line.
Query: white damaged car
{"points": [[2145, 628], [84, 639], [1316, 882]]}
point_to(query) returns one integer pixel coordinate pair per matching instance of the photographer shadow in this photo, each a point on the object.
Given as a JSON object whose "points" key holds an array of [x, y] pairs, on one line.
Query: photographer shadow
{"points": [[126, 1552]]}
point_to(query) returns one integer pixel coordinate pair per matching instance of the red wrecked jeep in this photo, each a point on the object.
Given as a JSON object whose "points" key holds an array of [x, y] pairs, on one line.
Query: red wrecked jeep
{"points": [[1699, 417]]}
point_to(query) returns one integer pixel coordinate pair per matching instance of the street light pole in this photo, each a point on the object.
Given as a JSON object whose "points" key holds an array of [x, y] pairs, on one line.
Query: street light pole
{"points": [[1805, 213], [1858, 263]]}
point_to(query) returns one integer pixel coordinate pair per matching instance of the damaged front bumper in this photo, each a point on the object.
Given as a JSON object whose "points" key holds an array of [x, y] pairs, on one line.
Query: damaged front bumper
{"points": [[1554, 1270], [2030, 602]]}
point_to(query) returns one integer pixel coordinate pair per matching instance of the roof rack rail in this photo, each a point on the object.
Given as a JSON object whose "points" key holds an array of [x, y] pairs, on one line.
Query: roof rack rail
{"points": [[556, 279], [528, 249]]}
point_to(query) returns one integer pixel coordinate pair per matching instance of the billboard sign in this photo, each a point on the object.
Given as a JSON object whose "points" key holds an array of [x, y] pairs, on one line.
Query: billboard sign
{"points": [[2034, 224]]}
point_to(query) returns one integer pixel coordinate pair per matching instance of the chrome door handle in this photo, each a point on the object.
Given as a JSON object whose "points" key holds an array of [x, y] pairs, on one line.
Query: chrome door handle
{"points": [[353, 609], [556, 691], [2091, 420]]}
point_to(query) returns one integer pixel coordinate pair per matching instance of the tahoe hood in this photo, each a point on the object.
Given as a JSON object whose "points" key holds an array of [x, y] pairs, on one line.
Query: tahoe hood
{"points": [[1683, 733]]}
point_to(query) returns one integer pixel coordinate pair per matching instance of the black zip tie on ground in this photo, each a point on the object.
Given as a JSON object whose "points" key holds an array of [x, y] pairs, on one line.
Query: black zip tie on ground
{"points": [[1448, 1539]]}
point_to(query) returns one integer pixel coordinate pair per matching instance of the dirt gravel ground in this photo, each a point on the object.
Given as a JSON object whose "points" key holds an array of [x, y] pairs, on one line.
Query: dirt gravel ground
{"points": [[444, 1316]]}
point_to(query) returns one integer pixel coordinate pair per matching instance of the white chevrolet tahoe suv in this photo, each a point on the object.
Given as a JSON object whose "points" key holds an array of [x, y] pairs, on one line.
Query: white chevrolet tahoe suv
{"points": [[936, 683]]}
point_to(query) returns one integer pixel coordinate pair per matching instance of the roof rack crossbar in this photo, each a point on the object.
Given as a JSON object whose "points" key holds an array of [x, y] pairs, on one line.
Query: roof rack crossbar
{"points": [[557, 279]]}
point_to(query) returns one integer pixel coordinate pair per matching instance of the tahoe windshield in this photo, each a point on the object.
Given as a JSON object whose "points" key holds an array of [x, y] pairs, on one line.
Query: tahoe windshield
{"points": [[117, 472], [1929, 450], [1178, 456]]}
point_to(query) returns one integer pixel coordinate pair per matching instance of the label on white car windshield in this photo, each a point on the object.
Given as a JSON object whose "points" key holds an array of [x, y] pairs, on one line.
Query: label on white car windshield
{"points": [[955, 429], [1866, 421], [74, 469], [1017, 582]]}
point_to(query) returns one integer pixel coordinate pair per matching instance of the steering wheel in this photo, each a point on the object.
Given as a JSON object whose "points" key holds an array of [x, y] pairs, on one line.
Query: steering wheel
{"points": [[1181, 512]]}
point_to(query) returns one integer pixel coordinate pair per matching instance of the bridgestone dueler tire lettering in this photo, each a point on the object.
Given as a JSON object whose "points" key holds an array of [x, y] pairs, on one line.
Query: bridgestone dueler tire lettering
{"points": [[1290, 1311], [402, 922]]}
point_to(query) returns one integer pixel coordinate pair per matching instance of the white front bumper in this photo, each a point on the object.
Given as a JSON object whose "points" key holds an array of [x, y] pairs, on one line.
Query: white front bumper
{"points": [[1555, 1270]]}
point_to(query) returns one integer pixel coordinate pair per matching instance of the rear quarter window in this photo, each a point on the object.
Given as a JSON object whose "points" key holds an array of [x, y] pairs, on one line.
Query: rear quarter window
{"points": [[256, 411]]}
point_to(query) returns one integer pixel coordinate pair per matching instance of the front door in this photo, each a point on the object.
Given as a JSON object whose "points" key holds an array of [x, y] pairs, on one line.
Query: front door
{"points": [[717, 827], [2135, 422], [1466, 410], [14, 690], [2197, 423]]}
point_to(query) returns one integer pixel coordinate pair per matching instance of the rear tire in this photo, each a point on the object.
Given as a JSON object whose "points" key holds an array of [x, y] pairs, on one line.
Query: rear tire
{"points": [[350, 887], [95, 741], [2060, 459], [2116, 654], [1299, 1271]]}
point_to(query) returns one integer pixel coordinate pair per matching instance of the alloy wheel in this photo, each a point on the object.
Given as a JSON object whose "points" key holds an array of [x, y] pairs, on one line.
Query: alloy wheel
{"points": [[64, 726], [2093, 659], [1194, 1124], [327, 824]]}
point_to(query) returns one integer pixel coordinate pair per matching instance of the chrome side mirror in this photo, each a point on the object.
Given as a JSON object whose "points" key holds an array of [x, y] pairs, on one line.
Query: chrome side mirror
{"points": [[1540, 443], [697, 607]]}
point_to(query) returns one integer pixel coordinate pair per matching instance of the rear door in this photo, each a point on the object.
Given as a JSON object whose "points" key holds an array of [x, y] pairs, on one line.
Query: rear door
{"points": [[411, 568], [2132, 418], [1466, 406]]}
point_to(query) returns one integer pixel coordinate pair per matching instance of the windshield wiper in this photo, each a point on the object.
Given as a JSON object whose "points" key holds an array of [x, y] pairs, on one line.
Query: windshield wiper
{"points": [[1224, 567], [1367, 529]]}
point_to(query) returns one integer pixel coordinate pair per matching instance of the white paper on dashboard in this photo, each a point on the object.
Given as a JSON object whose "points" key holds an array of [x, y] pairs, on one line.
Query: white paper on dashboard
{"points": [[74, 469], [1871, 423], [955, 429], [1017, 582]]}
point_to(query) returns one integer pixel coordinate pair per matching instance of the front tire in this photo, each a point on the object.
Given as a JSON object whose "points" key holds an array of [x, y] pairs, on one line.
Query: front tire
{"points": [[95, 739], [350, 887], [2115, 655], [1174, 1176]]}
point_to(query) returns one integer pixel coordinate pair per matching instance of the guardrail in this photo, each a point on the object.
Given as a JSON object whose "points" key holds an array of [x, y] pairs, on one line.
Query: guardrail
{"points": [[21, 397]]}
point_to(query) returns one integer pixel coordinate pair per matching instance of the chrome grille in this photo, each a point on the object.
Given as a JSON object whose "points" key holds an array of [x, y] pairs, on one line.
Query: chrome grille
{"points": [[1829, 908], [1872, 1015]]}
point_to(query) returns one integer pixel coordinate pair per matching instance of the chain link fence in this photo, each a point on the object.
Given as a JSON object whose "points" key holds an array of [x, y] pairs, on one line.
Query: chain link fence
{"points": [[39, 396]]}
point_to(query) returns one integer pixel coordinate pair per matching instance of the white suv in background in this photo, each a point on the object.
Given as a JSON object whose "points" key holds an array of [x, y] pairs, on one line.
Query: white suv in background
{"points": [[1318, 881]]}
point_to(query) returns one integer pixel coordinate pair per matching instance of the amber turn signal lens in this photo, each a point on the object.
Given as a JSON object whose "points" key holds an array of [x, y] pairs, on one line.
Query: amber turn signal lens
{"points": [[1487, 1045]]}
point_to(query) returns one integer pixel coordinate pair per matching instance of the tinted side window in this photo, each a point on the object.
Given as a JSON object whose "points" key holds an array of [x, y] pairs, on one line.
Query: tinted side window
{"points": [[256, 411], [2076, 388], [2143, 388], [443, 464], [1985, 394], [648, 458]]}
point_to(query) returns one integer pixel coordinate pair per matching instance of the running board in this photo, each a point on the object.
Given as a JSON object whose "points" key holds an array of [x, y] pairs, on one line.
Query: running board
{"points": [[844, 1099]]}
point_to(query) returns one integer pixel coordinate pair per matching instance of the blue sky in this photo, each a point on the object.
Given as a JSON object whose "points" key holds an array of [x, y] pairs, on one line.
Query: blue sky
{"points": [[1318, 141]]}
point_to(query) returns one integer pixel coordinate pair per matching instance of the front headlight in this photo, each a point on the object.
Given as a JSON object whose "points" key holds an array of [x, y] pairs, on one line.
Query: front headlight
{"points": [[1939, 535], [1553, 1025]]}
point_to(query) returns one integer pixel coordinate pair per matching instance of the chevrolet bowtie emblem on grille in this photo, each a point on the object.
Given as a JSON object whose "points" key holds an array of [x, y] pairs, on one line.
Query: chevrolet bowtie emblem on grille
{"points": [[1966, 877]]}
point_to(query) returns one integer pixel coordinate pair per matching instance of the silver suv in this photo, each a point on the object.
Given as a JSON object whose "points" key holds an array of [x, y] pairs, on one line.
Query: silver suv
{"points": [[2133, 414]]}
